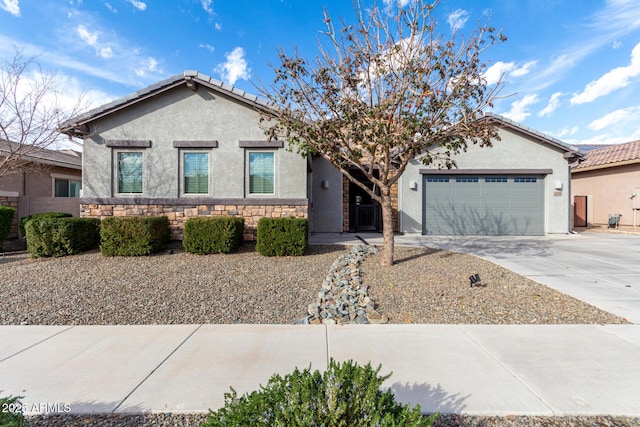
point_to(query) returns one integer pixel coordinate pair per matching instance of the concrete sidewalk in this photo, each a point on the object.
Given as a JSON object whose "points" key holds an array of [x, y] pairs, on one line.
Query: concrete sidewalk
{"points": [[469, 369]]}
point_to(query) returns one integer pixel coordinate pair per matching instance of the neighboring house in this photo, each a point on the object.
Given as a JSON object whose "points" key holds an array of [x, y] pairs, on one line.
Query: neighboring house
{"points": [[50, 181], [604, 182], [193, 146]]}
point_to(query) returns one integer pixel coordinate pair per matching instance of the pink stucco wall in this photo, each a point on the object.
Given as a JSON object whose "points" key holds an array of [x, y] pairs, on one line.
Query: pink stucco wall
{"points": [[608, 191]]}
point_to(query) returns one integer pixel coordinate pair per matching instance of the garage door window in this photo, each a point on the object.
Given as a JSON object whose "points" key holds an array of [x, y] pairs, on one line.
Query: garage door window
{"points": [[438, 179], [467, 179], [523, 179], [495, 179]]}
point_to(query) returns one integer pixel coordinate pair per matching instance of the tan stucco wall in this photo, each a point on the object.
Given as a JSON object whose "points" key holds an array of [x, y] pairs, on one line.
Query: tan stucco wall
{"points": [[608, 191]]}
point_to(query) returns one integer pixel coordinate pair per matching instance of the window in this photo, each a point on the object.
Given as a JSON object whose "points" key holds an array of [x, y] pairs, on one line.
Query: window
{"points": [[522, 179], [495, 179], [467, 179], [195, 168], [129, 172], [66, 188], [261, 173], [437, 179]]}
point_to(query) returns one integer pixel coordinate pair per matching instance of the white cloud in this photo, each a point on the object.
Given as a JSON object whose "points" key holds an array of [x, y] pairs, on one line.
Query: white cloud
{"points": [[206, 5], [148, 65], [140, 5], [494, 73], [207, 46], [91, 38], [235, 67], [110, 7], [564, 132], [552, 105], [615, 79], [524, 69], [520, 109], [390, 3], [617, 116], [616, 44], [457, 19], [11, 6]]}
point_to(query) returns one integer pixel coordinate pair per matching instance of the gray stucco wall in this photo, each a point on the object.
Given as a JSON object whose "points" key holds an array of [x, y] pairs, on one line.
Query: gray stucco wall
{"points": [[326, 202], [513, 151], [181, 114]]}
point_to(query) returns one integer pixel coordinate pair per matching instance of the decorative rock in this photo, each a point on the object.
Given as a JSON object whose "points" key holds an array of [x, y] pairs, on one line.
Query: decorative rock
{"points": [[343, 298]]}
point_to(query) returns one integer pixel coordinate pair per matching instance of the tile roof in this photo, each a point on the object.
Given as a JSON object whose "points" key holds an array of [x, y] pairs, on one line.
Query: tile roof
{"points": [[74, 125], [65, 158], [613, 155]]}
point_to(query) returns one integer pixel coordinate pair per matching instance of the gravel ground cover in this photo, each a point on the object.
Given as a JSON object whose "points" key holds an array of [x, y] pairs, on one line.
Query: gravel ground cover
{"points": [[174, 287], [425, 286]]}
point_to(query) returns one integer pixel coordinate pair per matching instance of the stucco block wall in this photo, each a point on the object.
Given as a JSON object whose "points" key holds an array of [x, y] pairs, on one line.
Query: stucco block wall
{"points": [[608, 191], [184, 115], [513, 151]]}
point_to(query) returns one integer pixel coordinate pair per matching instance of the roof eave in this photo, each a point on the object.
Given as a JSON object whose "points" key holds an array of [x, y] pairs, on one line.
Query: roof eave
{"points": [[605, 166]]}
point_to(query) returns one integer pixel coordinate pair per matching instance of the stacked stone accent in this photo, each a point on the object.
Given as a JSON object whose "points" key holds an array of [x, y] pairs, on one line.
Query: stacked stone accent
{"points": [[179, 214], [11, 202]]}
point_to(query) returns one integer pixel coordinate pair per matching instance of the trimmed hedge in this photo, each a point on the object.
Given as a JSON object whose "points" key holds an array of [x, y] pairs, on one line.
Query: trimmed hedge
{"points": [[346, 394], [6, 219], [25, 219], [11, 412], [134, 236], [55, 237], [213, 235], [282, 236]]}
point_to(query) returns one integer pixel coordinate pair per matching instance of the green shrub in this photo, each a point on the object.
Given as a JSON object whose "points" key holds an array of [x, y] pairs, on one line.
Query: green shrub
{"points": [[11, 412], [54, 237], [213, 235], [25, 219], [134, 236], [282, 236], [6, 220], [344, 395]]}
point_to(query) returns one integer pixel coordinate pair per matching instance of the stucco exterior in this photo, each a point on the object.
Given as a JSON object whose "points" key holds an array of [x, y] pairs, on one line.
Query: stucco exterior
{"points": [[608, 192], [190, 113], [515, 151], [32, 190]]}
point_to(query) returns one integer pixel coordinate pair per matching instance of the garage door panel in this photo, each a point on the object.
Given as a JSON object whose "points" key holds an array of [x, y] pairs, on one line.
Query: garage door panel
{"points": [[486, 205]]}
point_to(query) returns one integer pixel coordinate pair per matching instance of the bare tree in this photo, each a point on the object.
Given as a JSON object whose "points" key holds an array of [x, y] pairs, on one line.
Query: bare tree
{"points": [[30, 112], [382, 92]]}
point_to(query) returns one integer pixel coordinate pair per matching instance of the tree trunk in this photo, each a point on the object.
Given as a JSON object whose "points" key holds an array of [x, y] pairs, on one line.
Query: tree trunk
{"points": [[387, 227]]}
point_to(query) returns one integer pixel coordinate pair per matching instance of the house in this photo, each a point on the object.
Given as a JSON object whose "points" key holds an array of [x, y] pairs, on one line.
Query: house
{"points": [[187, 146], [606, 182], [519, 186], [48, 181], [193, 146]]}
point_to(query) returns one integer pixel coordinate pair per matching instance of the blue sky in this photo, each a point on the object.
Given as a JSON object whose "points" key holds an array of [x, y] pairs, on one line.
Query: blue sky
{"points": [[571, 67]]}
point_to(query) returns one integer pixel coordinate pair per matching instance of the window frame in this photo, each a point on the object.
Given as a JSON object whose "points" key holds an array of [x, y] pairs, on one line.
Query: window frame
{"points": [[273, 153], [117, 191], [183, 190], [69, 178]]}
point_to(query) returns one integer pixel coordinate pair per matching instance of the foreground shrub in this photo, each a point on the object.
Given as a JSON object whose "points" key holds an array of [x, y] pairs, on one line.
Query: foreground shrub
{"points": [[6, 220], [282, 236], [11, 412], [25, 219], [345, 395], [55, 237], [213, 235], [134, 236]]}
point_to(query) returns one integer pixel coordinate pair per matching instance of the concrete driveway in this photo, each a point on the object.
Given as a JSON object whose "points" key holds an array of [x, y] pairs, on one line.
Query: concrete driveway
{"points": [[602, 269]]}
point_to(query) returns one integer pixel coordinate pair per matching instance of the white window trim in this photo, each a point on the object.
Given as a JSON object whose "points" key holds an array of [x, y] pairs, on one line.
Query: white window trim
{"points": [[182, 152], [116, 189], [247, 178]]}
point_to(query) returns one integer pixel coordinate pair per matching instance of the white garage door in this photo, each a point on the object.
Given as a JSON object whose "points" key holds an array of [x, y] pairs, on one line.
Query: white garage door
{"points": [[483, 205]]}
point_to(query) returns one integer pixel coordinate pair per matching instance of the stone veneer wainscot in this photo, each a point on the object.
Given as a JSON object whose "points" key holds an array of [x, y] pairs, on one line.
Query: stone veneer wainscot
{"points": [[180, 210]]}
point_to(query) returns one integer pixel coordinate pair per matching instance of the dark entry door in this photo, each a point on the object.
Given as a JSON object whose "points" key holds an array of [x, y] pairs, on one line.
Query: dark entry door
{"points": [[364, 212], [579, 211]]}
